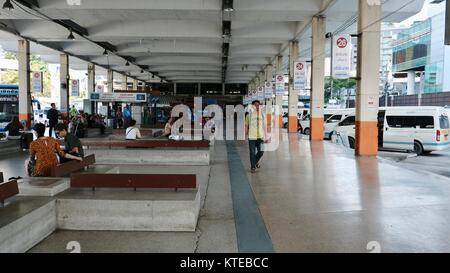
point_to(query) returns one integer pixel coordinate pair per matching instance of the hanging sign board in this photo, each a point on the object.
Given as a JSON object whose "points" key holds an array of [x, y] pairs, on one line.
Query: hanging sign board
{"points": [[279, 85], [36, 82], [119, 97], [99, 89], [268, 90], [299, 76], [342, 55], [260, 96], [75, 85]]}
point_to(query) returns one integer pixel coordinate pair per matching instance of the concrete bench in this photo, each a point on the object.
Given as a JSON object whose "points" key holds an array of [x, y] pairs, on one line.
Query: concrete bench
{"points": [[145, 144], [144, 132], [9, 146], [135, 181], [7, 189], [72, 166]]}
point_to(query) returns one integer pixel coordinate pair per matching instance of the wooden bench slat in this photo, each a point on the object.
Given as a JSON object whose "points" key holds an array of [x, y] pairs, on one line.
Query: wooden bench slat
{"points": [[8, 189], [150, 181], [71, 166]]}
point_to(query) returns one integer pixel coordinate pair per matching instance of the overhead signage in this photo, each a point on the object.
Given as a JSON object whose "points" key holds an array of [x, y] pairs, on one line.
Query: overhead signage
{"points": [[299, 76], [279, 85], [36, 82], [342, 56], [268, 90], [119, 97], [260, 93], [75, 84]]}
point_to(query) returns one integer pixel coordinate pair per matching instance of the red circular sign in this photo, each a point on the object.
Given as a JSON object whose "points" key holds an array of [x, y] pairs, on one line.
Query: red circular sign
{"points": [[37, 74], [280, 78], [342, 42], [300, 66]]}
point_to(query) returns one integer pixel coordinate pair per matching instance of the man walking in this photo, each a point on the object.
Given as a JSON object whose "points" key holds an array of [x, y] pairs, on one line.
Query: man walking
{"points": [[256, 134], [52, 116]]}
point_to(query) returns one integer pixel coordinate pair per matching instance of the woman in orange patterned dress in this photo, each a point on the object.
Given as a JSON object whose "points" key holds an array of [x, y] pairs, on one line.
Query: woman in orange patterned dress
{"points": [[44, 150]]}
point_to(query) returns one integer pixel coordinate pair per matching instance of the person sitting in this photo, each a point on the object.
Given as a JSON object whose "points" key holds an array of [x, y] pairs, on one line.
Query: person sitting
{"points": [[71, 142], [13, 128], [43, 151], [132, 132], [168, 127]]}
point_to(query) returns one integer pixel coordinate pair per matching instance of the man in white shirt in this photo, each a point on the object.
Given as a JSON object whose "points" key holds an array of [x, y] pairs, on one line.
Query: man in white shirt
{"points": [[132, 133]]}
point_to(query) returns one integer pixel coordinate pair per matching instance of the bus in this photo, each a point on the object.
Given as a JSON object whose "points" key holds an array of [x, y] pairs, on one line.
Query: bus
{"points": [[9, 104]]}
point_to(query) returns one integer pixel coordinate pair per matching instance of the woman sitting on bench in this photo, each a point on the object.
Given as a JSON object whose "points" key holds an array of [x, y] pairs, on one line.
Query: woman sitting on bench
{"points": [[43, 151]]}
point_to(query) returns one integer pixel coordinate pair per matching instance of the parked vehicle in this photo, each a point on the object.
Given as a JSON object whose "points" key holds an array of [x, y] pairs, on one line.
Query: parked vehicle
{"points": [[302, 112], [331, 119], [418, 129]]}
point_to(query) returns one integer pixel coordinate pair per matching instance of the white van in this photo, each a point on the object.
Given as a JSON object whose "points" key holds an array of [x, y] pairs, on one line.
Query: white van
{"points": [[302, 112], [331, 118], [418, 129]]}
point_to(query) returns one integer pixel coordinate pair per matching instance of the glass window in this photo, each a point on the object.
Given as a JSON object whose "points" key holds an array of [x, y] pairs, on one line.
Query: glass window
{"points": [[349, 121], [424, 122], [444, 122], [326, 117], [335, 118]]}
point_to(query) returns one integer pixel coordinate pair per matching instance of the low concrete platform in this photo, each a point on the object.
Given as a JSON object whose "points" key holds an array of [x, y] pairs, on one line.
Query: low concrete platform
{"points": [[128, 210], [42, 186], [9, 146], [24, 222], [187, 157]]}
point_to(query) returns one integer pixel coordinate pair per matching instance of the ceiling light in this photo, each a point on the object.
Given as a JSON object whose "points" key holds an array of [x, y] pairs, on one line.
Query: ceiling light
{"points": [[8, 5], [71, 37], [227, 5], [105, 53]]}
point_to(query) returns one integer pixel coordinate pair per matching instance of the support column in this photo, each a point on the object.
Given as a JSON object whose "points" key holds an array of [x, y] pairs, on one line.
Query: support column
{"points": [[124, 82], [135, 84], [64, 86], [175, 88], [318, 78], [368, 78], [23, 57], [199, 90], [269, 78], [411, 83], [293, 95], [110, 80], [279, 98], [91, 84]]}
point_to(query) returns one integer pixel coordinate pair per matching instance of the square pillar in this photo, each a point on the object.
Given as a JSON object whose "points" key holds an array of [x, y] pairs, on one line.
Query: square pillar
{"points": [[25, 103], [64, 78], [110, 79], [135, 84], [279, 98], [318, 78], [293, 95], [269, 78], [124, 82], [91, 84], [368, 75], [175, 88]]}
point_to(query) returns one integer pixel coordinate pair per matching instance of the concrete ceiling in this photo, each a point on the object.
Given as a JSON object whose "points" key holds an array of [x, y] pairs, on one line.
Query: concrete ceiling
{"points": [[181, 40]]}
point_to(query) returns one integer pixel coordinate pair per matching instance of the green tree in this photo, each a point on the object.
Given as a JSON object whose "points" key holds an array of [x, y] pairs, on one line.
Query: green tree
{"points": [[338, 85], [36, 64]]}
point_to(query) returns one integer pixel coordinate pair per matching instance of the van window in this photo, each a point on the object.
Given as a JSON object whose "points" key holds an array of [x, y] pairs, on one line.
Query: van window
{"points": [[444, 122], [335, 118], [423, 122], [349, 121], [326, 117]]}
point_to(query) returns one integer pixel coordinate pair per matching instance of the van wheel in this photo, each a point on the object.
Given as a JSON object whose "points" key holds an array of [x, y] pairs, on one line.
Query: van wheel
{"points": [[418, 148], [351, 143], [307, 131]]}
